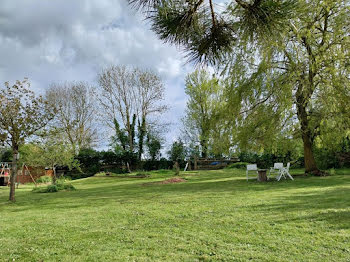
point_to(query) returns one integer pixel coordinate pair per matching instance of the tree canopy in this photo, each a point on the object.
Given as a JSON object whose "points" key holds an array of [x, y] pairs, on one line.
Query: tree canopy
{"points": [[21, 115], [285, 62]]}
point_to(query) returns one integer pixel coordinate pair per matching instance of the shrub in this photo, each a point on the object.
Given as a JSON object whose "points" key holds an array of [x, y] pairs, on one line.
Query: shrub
{"points": [[67, 187], [54, 188], [142, 175], [239, 165], [51, 188], [326, 159], [44, 180]]}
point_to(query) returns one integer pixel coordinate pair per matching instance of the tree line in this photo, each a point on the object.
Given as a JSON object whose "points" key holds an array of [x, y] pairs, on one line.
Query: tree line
{"points": [[51, 129]]}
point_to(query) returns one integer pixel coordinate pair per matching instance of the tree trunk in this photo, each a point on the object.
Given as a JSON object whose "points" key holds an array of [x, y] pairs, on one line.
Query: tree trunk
{"points": [[204, 147], [128, 166], [309, 159], [204, 142], [54, 177], [189, 167], [177, 168], [13, 174], [142, 132]]}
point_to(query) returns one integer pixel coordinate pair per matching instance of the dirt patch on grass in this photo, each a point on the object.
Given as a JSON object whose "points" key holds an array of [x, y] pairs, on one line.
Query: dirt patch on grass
{"points": [[167, 181]]}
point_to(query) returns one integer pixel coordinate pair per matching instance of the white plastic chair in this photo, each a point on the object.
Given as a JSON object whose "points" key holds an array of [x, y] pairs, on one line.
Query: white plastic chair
{"points": [[277, 167], [285, 173], [252, 168]]}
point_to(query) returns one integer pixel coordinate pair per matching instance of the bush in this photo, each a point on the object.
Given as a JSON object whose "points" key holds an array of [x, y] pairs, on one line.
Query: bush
{"points": [[326, 159], [51, 188], [239, 165], [67, 187], [54, 188], [48, 189], [44, 180]]}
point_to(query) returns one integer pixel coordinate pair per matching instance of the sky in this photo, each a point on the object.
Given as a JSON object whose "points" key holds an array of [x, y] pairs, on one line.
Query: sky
{"points": [[62, 40]]}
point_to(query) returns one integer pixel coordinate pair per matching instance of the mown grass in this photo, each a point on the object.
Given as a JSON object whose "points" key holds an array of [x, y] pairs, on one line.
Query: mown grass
{"points": [[214, 216]]}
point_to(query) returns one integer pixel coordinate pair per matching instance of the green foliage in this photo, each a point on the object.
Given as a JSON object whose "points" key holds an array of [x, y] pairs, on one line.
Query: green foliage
{"points": [[54, 188], [51, 189], [207, 34], [284, 61], [203, 125], [163, 163], [89, 160], [22, 113], [47, 189], [177, 151], [66, 187], [51, 152], [120, 137], [239, 165], [6, 155], [267, 160], [44, 180], [154, 145]]}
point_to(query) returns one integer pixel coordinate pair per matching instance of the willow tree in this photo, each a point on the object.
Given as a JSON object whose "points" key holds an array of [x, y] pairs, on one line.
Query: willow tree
{"points": [[298, 50], [21, 115], [303, 73]]}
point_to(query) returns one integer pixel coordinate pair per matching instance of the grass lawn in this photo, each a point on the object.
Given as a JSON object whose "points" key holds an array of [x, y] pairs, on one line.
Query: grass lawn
{"points": [[214, 216]]}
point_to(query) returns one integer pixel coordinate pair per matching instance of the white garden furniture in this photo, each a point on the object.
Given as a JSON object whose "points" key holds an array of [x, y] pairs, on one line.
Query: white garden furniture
{"points": [[284, 173], [253, 169], [277, 168]]}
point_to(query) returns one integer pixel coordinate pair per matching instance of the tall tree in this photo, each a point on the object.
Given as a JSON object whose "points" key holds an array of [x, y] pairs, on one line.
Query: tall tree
{"points": [[21, 115], [76, 111], [202, 108], [304, 74], [131, 96]]}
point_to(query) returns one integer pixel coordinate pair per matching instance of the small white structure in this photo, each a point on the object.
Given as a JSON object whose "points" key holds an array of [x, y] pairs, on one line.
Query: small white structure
{"points": [[284, 173], [186, 166], [252, 169], [277, 167]]}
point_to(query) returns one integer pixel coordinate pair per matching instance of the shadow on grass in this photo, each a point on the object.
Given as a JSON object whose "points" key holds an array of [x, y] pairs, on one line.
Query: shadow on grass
{"points": [[325, 205], [106, 190]]}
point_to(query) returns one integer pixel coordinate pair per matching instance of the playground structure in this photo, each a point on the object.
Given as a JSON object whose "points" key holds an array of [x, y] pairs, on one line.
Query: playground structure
{"points": [[209, 163], [25, 174]]}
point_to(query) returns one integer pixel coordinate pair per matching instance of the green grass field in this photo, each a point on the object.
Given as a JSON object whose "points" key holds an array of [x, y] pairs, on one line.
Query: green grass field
{"points": [[214, 216]]}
